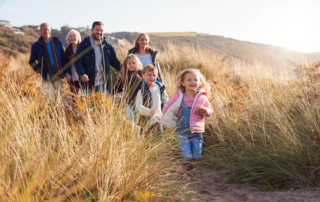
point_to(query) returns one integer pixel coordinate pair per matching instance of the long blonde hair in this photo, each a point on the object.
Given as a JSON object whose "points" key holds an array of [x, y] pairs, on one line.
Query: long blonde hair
{"points": [[136, 44], [124, 70], [203, 83]]}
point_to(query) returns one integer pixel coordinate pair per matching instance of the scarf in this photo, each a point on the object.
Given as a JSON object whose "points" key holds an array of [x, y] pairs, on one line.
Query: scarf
{"points": [[55, 58], [72, 55]]}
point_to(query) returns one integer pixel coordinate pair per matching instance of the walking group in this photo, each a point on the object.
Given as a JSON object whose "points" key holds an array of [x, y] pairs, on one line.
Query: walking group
{"points": [[86, 66]]}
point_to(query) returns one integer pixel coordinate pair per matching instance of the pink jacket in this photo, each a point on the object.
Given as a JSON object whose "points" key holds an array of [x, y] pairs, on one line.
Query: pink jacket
{"points": [[196, 119]]}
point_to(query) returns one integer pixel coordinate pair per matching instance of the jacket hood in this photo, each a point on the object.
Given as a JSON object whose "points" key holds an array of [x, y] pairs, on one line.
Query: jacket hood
{"points": [[201, 91]]}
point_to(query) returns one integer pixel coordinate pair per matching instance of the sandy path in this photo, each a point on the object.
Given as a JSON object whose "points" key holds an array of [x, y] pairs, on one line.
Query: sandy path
{"points": [[213, 188]]}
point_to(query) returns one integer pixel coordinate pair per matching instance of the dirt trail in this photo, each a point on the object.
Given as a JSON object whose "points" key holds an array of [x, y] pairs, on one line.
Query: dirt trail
{"points": [[213, 188]]}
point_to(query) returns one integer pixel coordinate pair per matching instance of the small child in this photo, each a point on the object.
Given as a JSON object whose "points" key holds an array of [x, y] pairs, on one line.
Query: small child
{"points": [[129, 82], [189, 105], [150, 101]]}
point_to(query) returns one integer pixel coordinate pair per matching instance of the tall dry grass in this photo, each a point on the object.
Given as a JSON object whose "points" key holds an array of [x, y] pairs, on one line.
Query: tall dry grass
{"points": [[264, 131], [53, 152]]}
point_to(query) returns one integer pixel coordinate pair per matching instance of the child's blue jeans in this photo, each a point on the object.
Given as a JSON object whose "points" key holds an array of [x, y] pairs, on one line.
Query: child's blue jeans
{"points": [[190, 145]]}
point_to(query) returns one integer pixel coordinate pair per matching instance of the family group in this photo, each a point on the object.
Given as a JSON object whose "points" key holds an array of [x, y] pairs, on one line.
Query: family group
{"points": [[86, 66]]}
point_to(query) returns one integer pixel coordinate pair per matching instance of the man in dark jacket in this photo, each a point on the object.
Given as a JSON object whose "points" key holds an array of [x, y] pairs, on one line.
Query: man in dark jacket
{"points": [[94, 57], [48, 58]]}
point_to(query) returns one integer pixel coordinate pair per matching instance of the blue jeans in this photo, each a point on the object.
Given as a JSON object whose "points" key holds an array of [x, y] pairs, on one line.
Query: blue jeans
{"points": [[190, 145]]}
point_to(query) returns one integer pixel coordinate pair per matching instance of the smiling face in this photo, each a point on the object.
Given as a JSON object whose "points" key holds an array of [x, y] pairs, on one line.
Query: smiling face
{"points": [[143, 41], [191, 82], [45, 31], [150, 77], [73, 38], [132, 64], [97, 32]]}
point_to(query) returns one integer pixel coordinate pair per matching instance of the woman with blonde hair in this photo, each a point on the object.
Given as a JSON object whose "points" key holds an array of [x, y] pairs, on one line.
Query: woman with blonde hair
{"points": [[146, 54], [73, 38]]}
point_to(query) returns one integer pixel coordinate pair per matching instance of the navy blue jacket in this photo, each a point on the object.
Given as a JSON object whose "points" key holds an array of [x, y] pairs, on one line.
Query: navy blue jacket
{"points": [[38, 56], [85, 62]]}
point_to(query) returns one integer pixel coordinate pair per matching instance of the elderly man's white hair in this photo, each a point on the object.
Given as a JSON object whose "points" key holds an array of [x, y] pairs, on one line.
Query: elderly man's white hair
{"points": [[45, 24]]}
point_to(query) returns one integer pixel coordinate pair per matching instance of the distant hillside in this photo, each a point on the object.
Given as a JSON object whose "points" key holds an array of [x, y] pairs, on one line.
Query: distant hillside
{"points": [[22, 43], [9, 41], [15, 43], [273, 56]]}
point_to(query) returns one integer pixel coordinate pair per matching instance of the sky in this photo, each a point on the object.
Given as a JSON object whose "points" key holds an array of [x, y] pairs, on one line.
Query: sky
{"points": [[292, 24]]}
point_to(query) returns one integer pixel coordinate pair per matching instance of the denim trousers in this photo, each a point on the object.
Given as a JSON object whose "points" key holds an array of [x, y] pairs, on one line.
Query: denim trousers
{"points": [[190, 145]]}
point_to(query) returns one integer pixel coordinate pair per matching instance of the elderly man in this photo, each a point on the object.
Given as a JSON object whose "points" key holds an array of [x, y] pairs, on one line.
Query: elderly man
{"points": [[93, 59], [48, 58]]}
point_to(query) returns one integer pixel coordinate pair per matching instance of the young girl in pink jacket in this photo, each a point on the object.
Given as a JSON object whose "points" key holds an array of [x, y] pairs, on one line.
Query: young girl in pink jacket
{"points": [[185, 112]]}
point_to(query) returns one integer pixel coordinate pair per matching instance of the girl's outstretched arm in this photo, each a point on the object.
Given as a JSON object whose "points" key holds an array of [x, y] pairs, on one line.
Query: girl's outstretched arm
{"points": [[170, 102]]}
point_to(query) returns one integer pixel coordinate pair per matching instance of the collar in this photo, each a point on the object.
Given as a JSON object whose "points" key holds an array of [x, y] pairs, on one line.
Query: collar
{"points": [[94, 42], [40, 39]]}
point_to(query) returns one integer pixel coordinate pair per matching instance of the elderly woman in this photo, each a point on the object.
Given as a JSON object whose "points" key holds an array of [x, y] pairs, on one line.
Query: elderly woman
{"points": [[145, 53], [73, 38]]}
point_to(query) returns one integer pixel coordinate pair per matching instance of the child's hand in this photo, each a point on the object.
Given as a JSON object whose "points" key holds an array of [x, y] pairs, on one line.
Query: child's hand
{"points": [[151, 112], [201, 110]]}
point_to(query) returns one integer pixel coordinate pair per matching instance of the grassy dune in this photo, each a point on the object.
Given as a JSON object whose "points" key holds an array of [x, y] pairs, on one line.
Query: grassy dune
{"points": [[265, 131]]}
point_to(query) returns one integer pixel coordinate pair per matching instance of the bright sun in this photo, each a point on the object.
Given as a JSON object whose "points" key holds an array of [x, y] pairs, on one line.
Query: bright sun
{"points": [[296, 35]]}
